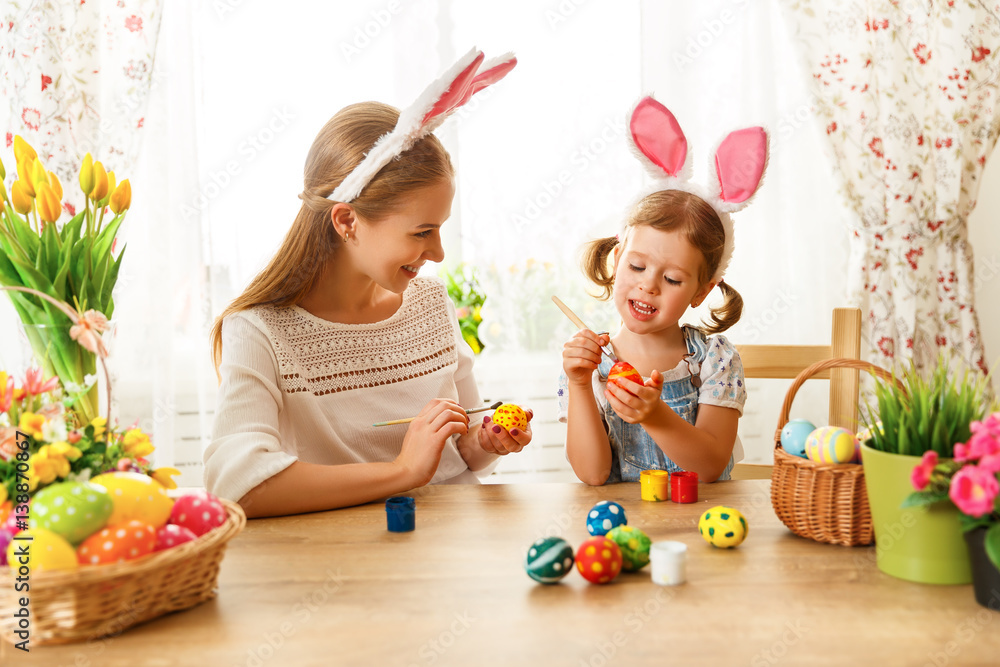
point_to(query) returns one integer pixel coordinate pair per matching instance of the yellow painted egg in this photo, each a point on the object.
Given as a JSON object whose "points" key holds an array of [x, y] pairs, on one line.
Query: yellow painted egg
{"points": [[136, 497], [46, 551], [509, 416], [831, 444]]}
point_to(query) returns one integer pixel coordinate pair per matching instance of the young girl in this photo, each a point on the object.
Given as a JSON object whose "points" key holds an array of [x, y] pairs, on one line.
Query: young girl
{"points": [[339, 332], [675, 246]]}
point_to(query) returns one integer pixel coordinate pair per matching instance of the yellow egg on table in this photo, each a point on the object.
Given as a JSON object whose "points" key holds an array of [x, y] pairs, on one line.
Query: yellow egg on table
{"points": [[831, 444], [510, 416], [46, 551], [136, 497]]}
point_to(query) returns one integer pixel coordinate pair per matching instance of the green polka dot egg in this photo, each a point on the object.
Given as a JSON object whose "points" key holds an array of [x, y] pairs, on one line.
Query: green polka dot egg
{"points": [[634, 545], [549, 559], [723, 527], [72, 510]]}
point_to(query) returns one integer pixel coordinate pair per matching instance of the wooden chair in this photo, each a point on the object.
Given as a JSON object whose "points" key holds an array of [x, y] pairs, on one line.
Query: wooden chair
{"points": [[787, 361]]}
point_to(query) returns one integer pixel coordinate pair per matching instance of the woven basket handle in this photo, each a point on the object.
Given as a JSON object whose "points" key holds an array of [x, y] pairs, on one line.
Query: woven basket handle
{"points": [[819, 366]]}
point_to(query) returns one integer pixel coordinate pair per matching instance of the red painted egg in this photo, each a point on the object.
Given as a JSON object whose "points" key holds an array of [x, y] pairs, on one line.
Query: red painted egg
{"points": [[624, 371], [117, 543], [599, 560], [171, 536], [198, 512], [10, 523]]}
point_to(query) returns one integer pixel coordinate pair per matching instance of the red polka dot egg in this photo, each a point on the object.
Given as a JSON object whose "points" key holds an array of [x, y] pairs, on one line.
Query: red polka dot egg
{"points": [[599, 560], [170, 536], [117, 543], [198, 512]]}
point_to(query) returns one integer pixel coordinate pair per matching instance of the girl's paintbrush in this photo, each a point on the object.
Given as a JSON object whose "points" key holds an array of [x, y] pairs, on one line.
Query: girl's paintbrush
{"points": [[468, 412], [578, 322]]}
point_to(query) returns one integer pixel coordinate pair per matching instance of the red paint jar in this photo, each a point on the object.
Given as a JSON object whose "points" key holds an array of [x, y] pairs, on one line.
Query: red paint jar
{"points": [[684, 487]]}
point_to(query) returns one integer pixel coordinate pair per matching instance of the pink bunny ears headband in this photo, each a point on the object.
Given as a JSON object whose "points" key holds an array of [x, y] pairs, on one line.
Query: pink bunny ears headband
{"points": [[453, 89], [740, 160]]}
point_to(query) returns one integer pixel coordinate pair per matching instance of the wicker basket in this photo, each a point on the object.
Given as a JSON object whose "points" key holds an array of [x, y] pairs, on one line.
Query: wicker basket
{"points": [[825, 502], [96, 601]]}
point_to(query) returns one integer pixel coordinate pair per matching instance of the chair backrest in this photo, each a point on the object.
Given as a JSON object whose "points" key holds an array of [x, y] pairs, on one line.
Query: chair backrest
{"points": [[787, 361]]}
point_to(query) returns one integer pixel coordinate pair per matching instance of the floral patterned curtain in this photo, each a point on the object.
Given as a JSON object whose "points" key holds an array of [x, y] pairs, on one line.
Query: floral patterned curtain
{"points": [[75, 79], [907, 94]]}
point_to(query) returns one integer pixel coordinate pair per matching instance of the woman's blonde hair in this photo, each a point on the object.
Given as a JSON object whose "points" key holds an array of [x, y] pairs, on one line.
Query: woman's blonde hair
{"points": [[311, 240], [673, 210]]}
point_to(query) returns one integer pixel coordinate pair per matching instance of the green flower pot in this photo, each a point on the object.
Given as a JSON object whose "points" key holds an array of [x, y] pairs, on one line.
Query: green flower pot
{"points": [[921, 544]]}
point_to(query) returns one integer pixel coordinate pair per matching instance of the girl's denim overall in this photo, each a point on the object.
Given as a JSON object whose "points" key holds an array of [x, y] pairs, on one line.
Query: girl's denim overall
{"points": [[634, 449]]}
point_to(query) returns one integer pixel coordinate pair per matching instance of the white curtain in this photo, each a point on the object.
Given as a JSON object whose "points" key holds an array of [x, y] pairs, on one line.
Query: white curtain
{"points": [[721, 65]]}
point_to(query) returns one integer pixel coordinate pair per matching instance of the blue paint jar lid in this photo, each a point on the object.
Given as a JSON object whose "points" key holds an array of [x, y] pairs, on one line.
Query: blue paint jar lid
{"points": [[400, 514]]}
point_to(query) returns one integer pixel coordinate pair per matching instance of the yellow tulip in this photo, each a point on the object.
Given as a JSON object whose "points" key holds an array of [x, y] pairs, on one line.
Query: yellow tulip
{"points": [[20, 199], [25, 168], [3, 493], [22, 149], [56, 185], [3, 171], [100, 426], [164, 476], [38, 174], [3, 207], [136, 443], [111, 189], [49, 206], [100, 190], [87, 174], [122, 197]]}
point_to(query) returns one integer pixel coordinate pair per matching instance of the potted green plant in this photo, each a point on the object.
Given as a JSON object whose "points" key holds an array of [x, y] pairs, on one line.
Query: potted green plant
{"points": [[916, 415], [970, 481]]}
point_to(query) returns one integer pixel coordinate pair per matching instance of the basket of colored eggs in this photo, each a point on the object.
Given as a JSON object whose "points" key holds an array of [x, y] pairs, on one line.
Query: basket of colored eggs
{"points": [[110, 553], [818, 483]]}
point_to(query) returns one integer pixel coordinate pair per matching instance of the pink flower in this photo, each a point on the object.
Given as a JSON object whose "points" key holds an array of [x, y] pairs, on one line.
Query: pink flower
{"points": [[990, 463], [921, 474], [922, 53], [133, 23], [32, 118], [87, 331], [34, 385], [6, 391], [973, 490]]}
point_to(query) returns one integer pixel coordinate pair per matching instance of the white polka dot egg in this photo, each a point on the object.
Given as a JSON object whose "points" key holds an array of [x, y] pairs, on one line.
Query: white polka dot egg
{"points": [[170, 536], [117, 543], [73, 510], [604, 516], [198, 512]]}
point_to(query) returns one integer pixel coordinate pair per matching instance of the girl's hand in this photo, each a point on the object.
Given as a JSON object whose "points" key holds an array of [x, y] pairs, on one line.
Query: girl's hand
{"points": [[426, 436], [497, 440], [582, 355], [635, 402]]}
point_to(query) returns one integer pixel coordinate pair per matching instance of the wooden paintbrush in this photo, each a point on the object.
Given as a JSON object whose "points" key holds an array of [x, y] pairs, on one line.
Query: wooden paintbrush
{"points": [[468, 412], [578, 322]]}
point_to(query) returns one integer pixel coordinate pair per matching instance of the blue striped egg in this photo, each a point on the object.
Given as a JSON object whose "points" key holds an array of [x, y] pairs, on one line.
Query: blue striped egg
{"points": [[831, 444]]}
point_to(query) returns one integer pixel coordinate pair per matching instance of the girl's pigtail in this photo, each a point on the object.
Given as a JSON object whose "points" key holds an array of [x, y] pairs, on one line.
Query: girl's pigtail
{"points": [[728, 314], [596, 265]]}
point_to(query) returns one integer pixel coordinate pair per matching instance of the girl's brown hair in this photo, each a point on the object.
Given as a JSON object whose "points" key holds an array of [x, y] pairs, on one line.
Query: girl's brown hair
{"points": [[311, 241], [673, 210]]}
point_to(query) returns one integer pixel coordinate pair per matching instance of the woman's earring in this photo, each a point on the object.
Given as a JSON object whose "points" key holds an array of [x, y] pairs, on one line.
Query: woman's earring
{"points": [[346, 236]]}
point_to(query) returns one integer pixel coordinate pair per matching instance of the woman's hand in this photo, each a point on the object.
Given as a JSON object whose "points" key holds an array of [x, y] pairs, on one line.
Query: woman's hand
{"points": [[495, 439], [426, 436], [635, 402], [582, 355]]}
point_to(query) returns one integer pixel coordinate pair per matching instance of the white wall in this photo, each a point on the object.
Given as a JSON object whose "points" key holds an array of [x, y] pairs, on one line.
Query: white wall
{"points": [[984, 235]]}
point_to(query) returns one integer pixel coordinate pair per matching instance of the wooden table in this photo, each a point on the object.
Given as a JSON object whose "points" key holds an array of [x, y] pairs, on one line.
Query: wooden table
{"points": [[336, 588]]}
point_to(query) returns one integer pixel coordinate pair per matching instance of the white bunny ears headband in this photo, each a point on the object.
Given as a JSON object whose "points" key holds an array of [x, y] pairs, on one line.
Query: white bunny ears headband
{"points": [[453, 89], [740, 160]]}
